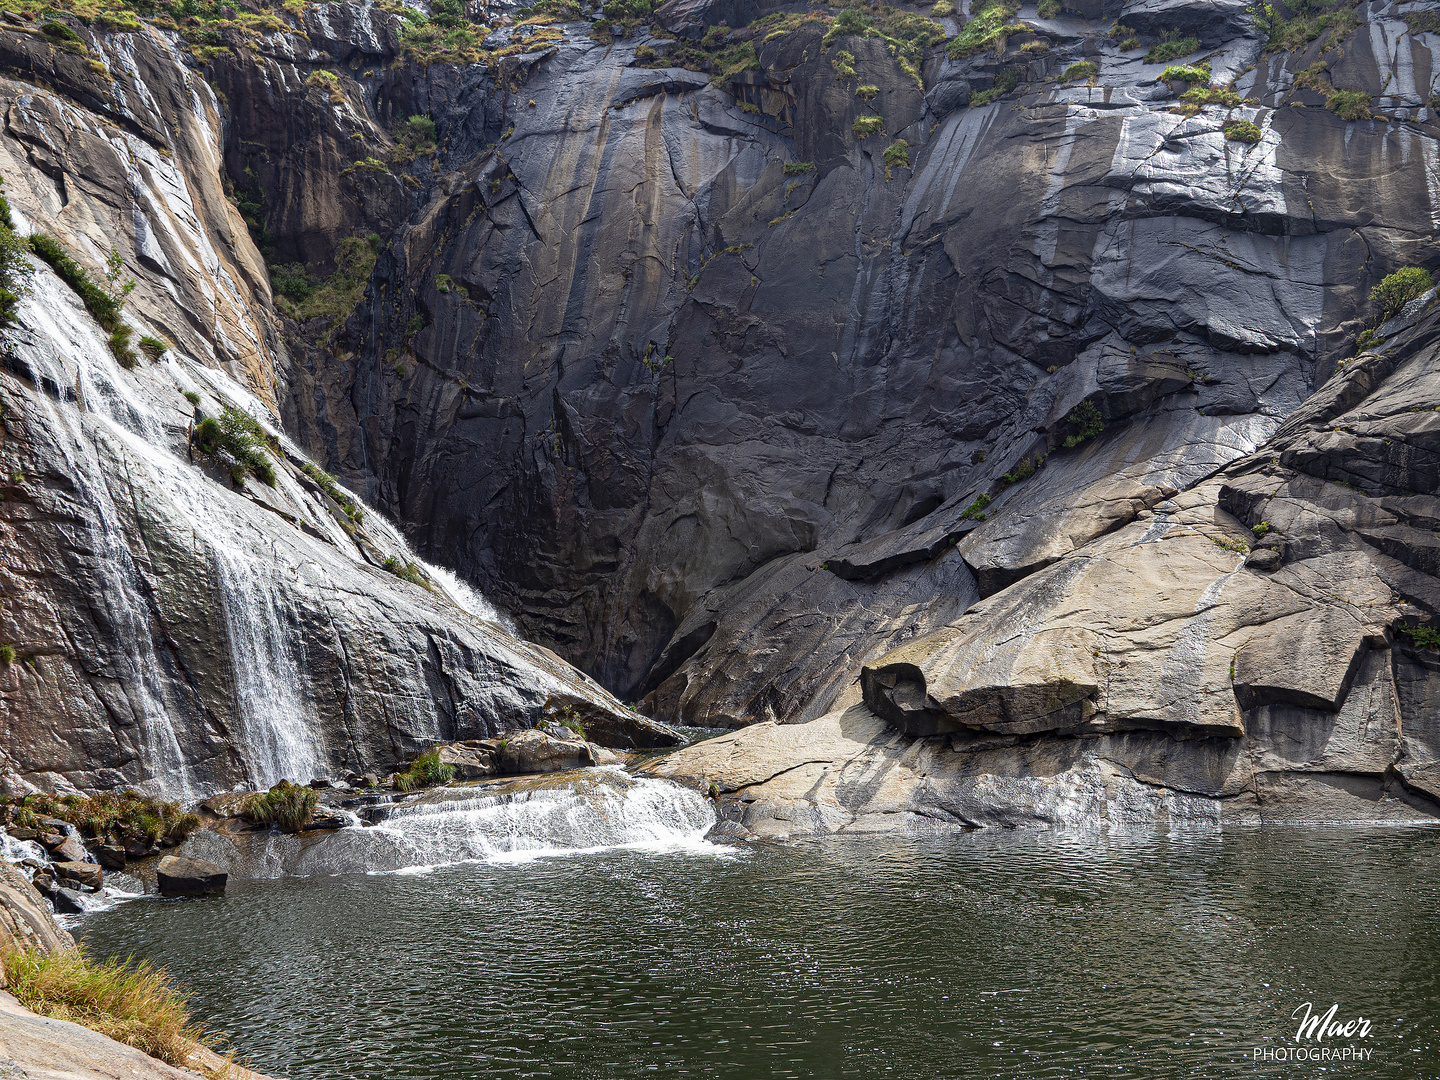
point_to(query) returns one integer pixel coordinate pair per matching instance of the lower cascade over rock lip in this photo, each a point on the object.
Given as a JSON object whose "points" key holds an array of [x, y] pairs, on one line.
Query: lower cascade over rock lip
{"points": [[563, 813]]}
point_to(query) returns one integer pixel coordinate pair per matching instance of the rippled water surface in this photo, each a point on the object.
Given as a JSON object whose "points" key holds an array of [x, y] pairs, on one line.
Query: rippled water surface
{"points": [[993, 954]]}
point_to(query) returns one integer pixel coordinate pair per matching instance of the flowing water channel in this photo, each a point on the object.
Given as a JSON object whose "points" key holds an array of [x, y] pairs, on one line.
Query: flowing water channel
{"points": [[1007, 954]]}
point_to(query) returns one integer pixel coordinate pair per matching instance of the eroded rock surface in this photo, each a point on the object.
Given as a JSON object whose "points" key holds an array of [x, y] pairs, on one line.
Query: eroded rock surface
{"points": [[1161, 672]]}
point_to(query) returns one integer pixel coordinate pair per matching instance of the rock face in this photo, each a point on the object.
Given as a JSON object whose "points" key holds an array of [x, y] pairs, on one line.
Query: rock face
{"points": [[718, 431], [1161, 672], [178, 876], [175, 628], [24, 919], [1027, 433]]}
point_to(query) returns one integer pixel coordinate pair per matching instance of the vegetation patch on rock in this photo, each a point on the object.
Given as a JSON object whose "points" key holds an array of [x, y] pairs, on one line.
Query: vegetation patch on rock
{"points": [[287, 805], [236, 439], [1398, 289], [1242, 131], [126, 817], [989, 28], [133, 1003]]}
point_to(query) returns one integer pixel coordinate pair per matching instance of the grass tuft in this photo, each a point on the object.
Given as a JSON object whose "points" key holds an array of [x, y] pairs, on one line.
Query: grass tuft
{"points": [[133, 1003], [288, 805], [425, 771]]}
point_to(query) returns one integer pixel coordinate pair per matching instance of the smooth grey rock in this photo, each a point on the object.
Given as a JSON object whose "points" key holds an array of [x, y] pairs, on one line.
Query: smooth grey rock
{"points": [[540, 752], [25, 920]]}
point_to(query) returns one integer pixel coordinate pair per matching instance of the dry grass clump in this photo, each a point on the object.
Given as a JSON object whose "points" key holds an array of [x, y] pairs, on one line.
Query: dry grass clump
{"points": [[133, 1003], [288, 805], [125, 815]]}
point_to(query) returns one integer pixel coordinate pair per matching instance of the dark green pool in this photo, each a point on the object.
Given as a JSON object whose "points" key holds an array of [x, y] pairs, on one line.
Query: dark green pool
{"points": [[995, 954]]}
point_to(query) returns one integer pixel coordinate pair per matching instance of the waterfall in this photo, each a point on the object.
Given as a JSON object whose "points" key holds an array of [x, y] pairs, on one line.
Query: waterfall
{"points": [[257, 576], [121, 596], [517, 820]]}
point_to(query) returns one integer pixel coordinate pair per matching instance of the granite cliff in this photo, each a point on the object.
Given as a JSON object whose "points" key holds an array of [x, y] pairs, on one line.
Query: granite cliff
{"points": [[770, 361]]}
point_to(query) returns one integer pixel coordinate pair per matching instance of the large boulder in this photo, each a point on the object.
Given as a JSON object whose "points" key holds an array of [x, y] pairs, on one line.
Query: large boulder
{"points": [[76, 873], [190, 877], [471, 761], [540, 752], [24, 918]]}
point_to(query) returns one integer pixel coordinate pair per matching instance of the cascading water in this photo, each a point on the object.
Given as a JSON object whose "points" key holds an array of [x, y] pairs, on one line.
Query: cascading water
{"points": [[257, 577], [122, 597], [505, 821]]}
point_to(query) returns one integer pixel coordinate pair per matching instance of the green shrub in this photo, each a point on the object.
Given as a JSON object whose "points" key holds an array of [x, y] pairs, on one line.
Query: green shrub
{"points": [[1398, 289], [405, 571], [1242, 131], [1166, 51], [867, 92], [132, 1003], [1235, 544], [796, 168], [1349, 104], [444, 284], [1049, 9], [328, 485], [1295, 33], [1082, 70], [339, 294], [287, 805], [291, 282], [237, 439], [866, 126], [15, 268], [1087, 421], [844, 63], [897, 155], [192, 397], [1263, 529], [973, 512], [425, 771], [1425, 637], [7, 655], [988, 28], [1023, 471], [1190, 73], [941, 9], [105, 304]]}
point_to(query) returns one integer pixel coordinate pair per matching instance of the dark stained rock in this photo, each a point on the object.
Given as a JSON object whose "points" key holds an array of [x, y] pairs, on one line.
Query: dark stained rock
{"points": [[77, 874], [178, 876], [67, 902], [110, 856]]}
